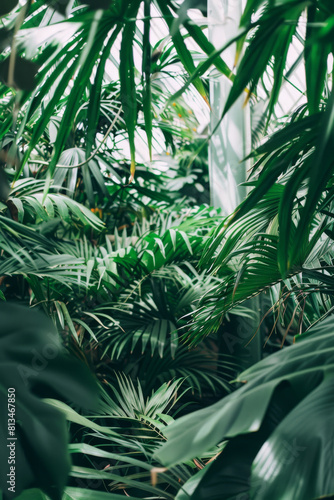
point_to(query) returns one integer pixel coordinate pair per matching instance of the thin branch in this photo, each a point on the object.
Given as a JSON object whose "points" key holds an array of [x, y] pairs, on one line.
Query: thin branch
{"points": [[93, 154], [18, 23]]}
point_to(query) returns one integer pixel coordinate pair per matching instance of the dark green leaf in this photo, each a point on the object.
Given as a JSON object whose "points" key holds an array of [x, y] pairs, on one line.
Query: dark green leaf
{"points": [[97, 4], [6, 6], [24, 73], [316, 56], [271, 449], [35, 365], [59, 5]]}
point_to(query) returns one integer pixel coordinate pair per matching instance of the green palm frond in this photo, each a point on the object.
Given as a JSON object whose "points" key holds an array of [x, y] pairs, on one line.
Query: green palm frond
{"points": [[128, 401], [84, 44], [203, 369], [244, 254], [27, 203], [125, 451]]}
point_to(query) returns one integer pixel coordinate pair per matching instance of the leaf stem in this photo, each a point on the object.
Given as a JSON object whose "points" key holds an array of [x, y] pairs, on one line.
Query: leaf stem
{"points": [[42, 162]]}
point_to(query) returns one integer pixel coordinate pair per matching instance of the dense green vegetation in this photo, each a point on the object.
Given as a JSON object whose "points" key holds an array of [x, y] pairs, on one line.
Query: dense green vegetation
{"points": [[137, 377]]}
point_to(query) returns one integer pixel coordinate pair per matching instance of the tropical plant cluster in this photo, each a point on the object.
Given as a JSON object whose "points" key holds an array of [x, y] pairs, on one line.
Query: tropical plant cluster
{"points": [[157, 347]]}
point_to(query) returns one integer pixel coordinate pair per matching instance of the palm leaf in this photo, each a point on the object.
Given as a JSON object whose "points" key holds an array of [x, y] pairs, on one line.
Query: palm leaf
{"points": [[261, 422]]}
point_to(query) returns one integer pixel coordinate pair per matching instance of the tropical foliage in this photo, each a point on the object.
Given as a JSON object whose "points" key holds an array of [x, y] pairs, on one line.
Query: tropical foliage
{"points": [[280, 240], [111, 261], [259, 432], [282, 232], [34, 364], [106, 228]]}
